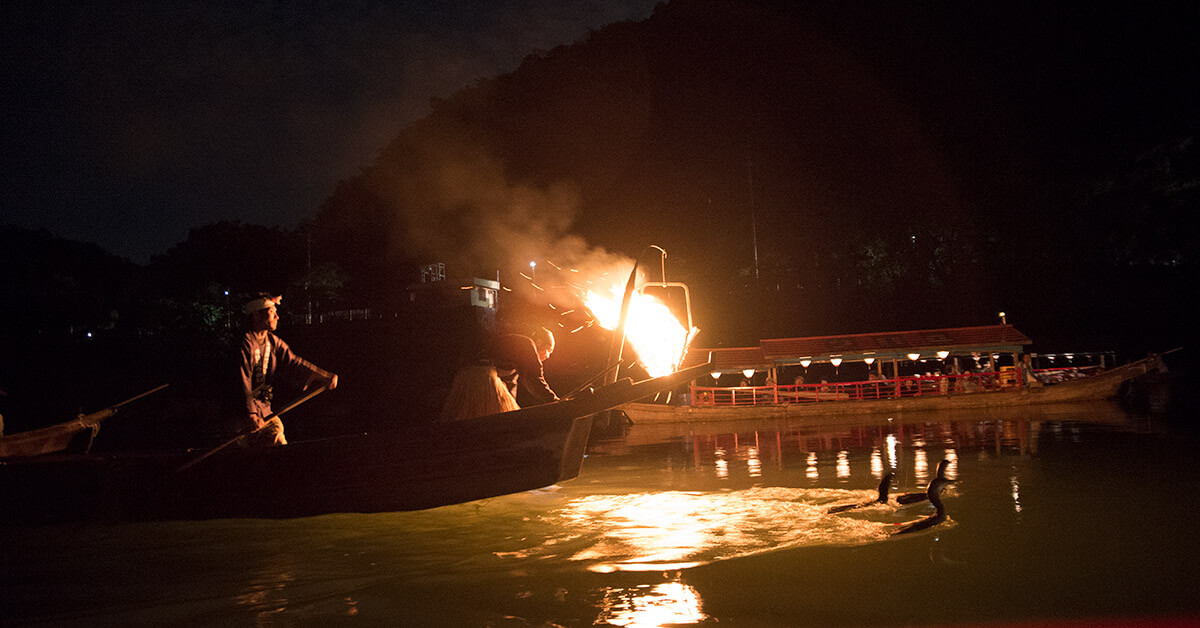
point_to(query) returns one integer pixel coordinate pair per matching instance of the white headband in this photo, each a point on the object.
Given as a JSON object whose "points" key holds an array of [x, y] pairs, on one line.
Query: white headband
{"points": [[261, 303]]}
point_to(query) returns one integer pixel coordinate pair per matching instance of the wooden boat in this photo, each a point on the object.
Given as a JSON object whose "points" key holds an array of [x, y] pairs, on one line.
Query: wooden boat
{"points": [[1105, 385], [433, 465], [75, 435]]}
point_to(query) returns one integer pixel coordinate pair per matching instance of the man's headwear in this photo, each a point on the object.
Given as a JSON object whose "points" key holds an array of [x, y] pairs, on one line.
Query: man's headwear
{"points": [[262, 302]]}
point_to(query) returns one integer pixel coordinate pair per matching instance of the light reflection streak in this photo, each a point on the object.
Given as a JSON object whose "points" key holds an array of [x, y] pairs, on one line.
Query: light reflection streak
{"points": [[811, 472], [952, 467], [893, 460], [753, 464], [920, 466], [876, 463], [721, 464], [1016, 493], [658, 605], [843, 464]]}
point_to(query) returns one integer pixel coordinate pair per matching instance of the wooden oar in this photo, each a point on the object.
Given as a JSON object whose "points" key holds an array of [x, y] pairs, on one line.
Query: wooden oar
{"points": [[251, 431]]}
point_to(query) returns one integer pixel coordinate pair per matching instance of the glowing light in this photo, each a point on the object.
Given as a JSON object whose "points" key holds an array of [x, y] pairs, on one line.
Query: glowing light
{"points": [[942, 354], [891, 450], [835, 361], [843, 464], [657, 337], [716, 374], [914, 356], [811, 471], [748, 373], [805, 363], [869, 361]]}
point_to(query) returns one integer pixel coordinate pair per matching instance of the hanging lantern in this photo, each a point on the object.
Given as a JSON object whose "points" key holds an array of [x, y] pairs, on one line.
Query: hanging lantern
{"points": [[805, 363], [716, 374], [748, 373], [942, 354], [869, 361], [835, 362], [914, 356]]}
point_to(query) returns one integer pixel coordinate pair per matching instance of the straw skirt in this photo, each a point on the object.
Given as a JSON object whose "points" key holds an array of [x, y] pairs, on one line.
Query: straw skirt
{"points": [[477, 391]]}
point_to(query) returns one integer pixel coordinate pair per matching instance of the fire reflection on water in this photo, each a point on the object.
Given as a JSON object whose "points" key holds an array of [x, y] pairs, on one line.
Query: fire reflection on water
{"points": [[651, 605], [676, 530]]}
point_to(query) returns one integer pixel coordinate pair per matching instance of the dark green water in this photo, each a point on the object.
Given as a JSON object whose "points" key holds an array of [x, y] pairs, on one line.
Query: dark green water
{"points": [[1079, 515]]}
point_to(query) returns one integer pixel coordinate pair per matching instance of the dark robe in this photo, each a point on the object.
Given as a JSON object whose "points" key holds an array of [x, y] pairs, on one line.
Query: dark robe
{"points": [[263, 365], [516, 360]]}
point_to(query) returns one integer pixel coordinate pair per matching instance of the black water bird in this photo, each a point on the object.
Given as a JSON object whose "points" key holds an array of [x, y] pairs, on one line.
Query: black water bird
{"points": [[934, 495], [912, 498], [884, 485]]}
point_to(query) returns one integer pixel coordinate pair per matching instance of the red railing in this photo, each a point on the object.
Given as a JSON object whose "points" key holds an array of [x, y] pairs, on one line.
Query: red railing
{"points": [[902, 387]]}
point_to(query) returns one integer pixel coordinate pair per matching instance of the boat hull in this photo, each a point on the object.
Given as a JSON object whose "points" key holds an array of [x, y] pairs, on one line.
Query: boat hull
{"points": [[411, 469], [47, 440]]}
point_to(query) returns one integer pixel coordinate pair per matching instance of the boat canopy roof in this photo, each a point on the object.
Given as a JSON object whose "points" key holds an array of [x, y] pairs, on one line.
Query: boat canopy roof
{"points": [[956, 341]]}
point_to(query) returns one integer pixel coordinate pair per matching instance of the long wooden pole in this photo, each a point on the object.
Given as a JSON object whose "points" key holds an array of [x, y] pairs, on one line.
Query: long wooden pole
{"points": [[100, 415], [250, 431], [618, 341]]}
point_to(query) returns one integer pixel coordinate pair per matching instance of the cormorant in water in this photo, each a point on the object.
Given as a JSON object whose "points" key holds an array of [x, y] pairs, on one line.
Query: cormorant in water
{"points": [[934, 495], [912, 498], [884, 485]]}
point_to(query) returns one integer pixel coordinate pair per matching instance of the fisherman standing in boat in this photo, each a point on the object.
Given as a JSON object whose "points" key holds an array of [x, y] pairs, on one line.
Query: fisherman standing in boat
{"points": [[490, 383], [265, 358]]}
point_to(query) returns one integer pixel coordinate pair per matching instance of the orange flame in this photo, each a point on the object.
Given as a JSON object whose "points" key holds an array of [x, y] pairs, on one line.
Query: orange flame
{"points": [[658, 338]]}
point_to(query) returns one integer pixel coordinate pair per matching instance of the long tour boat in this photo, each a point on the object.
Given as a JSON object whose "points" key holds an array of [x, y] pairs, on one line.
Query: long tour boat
{"points": [[948, 369]]}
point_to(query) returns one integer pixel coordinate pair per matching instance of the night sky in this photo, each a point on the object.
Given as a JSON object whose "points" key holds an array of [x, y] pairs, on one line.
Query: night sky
{"points": [[126, 124]]}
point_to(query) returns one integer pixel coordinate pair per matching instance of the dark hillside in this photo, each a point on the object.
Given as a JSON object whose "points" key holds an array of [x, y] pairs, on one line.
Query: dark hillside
{"points": [[900, 165]]}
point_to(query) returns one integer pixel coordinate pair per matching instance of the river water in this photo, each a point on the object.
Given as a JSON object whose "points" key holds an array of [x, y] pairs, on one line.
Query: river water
{"points": [[1072, 515]]}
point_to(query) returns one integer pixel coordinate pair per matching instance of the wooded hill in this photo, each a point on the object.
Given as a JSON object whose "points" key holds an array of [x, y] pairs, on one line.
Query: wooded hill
{"points": [[899, 165]]}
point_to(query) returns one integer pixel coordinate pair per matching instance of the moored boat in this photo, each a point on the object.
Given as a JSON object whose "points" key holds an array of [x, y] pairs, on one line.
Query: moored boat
{"points": [[913, 394], [424, 467], [76, 434]]}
